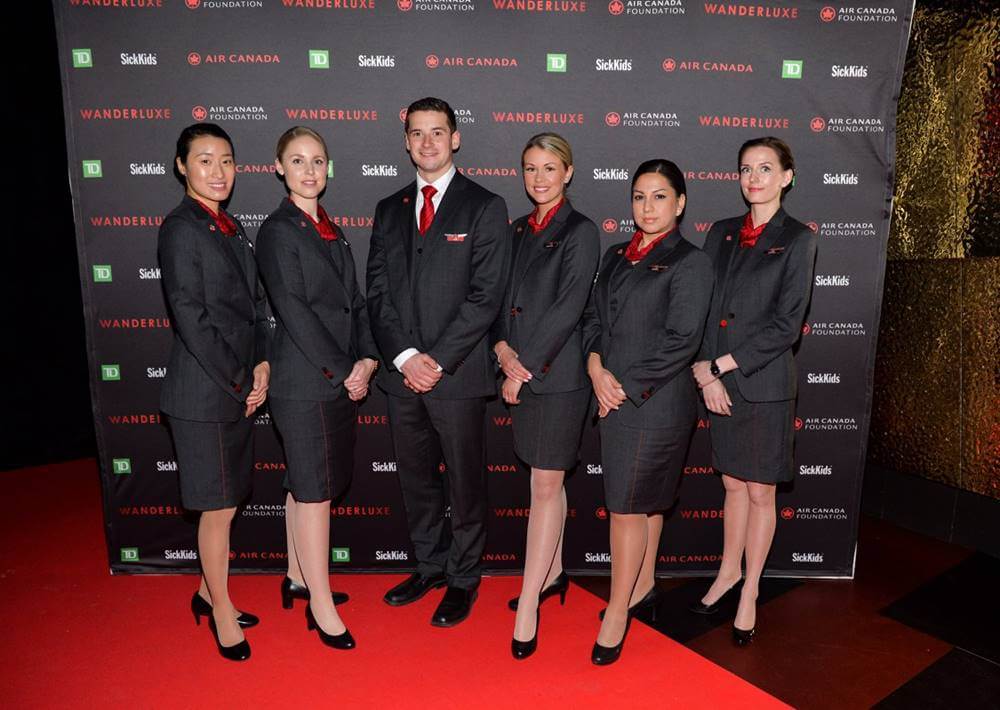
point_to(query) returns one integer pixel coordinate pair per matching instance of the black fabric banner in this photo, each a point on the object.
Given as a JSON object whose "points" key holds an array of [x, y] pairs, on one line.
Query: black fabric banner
{"points": [[624, 81]]}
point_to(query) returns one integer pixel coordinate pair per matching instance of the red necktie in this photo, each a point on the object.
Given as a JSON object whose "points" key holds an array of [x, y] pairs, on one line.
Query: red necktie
{"points": [[427, 210]]}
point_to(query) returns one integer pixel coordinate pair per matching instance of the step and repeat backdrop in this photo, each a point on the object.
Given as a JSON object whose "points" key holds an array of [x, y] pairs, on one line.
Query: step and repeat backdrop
{"points": [[624, 81]]}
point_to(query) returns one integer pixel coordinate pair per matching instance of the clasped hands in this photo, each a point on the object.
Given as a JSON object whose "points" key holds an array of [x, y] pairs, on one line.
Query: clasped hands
{"points": [[712, 390], [421, 373], [356, 383], [609, 391], [514, 372], [261, 379]]}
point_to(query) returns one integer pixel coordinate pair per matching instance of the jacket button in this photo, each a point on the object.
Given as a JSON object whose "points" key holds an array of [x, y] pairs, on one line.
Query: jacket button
{"points": [[723, 323], [645, 395], [513, 311], [545, 367], [420, 250], [518, 309], [347, 310], [732, 315]]}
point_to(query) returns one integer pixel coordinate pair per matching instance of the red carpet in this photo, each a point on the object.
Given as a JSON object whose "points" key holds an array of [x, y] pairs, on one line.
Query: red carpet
{"points": [[73, 636]]}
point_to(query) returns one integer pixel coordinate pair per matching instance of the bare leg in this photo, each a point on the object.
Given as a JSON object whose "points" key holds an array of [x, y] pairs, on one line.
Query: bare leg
{"points": [[294, 570], [760, 533], [647, 573], [736, 512], [213, 549], [628, 549], [546, 521], [312, 541]]}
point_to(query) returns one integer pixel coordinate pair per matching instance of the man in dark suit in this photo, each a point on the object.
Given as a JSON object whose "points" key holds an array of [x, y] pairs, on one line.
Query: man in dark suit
{"points": [[436, 268]]}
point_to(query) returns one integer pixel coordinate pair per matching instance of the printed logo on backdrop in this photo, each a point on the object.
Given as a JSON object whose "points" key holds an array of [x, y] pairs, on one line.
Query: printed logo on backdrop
{"points": [[331, 113], [126, 113], [813, 513], [823, 378], [197, 59], [688, 559], [442, 6], [377, 61], [319, 59], [229, 112], [250, 219], [791, 69], [156, 373], [532, 6], [840, 179], [711, 66], [433, 61], [646, 7], [537, 117], [712, 176], [613, 64], [839, 280], [642, 119], [826, 424], [814, 557], [849, 71], [741, 121], [486, 171], [815, 470], [746, 10], [330, 4], [138, 59], [224, 4], [556, 63], [860, 14], [121, 467], [845, 229], [102, 273], [835, 328], [611, 174], [119, 4], [126, 221]]}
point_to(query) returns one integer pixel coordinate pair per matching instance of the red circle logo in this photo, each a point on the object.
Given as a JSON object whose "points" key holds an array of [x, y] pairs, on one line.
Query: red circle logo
{"points": [[613, 118], [616, 7], [798, 424], [194, 59], [441, 467], [610, 226], [601, 513], [806, 329], [828, 14], [432, 61], [199, 113], [402, 115], [192, 4], [813, 226], [404, 5], [787, 513], [669, 64], [817, 124]]}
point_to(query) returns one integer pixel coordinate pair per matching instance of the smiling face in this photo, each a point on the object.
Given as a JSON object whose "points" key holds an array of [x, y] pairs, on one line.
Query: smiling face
{"points": [[303, 165], [545, 177], [431, 143], [209, 170], [655, 204], [761, 176]]}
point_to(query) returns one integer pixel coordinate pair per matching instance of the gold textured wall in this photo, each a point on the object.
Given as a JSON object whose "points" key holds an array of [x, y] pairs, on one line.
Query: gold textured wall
{"points": [[936, 407]]}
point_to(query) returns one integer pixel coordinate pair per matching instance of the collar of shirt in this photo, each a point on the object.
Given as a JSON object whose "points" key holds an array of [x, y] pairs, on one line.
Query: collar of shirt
{"points": [[441, 185]]}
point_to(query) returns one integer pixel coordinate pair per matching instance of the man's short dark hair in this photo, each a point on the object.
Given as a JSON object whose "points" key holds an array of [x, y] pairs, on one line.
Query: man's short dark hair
{"points": [[430, 103]]}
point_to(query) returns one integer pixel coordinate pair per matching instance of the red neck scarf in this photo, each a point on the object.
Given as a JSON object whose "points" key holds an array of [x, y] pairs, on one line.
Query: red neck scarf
{"points": [[636, 253], [537, 226], [750, 234], [224, 222], [323, 225]]}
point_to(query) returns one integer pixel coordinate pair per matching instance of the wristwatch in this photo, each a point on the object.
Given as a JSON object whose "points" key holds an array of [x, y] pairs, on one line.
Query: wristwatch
{"points": [[713, 367]]}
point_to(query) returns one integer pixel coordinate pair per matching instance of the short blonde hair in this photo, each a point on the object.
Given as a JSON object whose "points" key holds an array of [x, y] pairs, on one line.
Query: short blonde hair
{"points": [[297, 132]]}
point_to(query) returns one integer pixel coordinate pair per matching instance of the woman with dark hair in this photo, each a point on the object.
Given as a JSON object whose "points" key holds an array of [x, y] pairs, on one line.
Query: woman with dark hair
{"points": [[538, 342], [323, 356], [217, 375], [764, 264], [643, 326]]}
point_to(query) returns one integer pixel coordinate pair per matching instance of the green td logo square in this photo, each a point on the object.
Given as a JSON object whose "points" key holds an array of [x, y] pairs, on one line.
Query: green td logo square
{"points": [[102, 273], [319, 58], [791, 69], [329, 169], [121, 466], [82, 59], [111, 373], [555, 63], [92, 169], [129, 554], [340, 554]]}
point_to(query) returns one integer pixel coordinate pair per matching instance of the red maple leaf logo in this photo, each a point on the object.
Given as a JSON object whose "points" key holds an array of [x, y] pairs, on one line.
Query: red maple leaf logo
{"points": [[828, 14], [613, 118], [798, 424], [813, 226], [616, 7], [404, 5], [432, 61], [669, 64], [199, 113], [610, 226], [817, 124], [806, 329], [601, 513], [787, 513], [192, 4], [194, 59]]}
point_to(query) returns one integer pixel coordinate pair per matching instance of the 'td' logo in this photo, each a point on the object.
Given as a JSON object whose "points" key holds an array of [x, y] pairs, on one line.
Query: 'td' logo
{"points": [[92, 169], [612, 118], [199, 113], [340, 554], [110, 373], [102, 273], [791, 69], [121, 466], [432, 61], [82, 59], [828, 14], [817, 124], [555, 63], [319, 58], [616, 7], [129, 554]]}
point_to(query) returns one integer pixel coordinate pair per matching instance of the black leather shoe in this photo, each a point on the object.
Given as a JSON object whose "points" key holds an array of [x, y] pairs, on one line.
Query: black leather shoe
{"points": [[293, 590], [559, 586], [648, 602], [606, 655], [412, 588], [239, 652], [342, 642], [455, 606], [522, 649], [699, 608], [200, 608], [741, 637]]}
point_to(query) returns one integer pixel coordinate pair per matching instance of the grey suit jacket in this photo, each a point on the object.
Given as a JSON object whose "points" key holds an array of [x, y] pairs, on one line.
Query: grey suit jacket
{"points": [[322, 323], [758, 309], [439, 292], [217, 312], [647, 331], [550, 280]]}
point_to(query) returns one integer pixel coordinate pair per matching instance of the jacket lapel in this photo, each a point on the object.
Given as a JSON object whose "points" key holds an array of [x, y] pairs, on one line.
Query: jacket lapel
{"points": [[449, 204], [216, 238], [659, 257], [554, 232], [773, 232]]}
